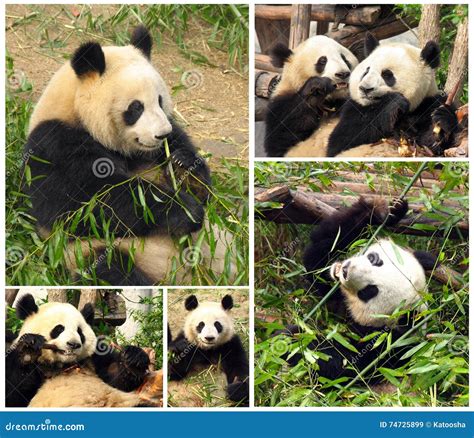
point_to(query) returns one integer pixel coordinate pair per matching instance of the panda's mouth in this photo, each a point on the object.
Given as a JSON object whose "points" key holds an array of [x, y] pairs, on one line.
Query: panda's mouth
{"points": [[341, 85], [147, 146]]}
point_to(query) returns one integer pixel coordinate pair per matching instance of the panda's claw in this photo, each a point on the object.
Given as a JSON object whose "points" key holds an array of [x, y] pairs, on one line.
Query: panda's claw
{"points": [[33, 342], [444, 121]]}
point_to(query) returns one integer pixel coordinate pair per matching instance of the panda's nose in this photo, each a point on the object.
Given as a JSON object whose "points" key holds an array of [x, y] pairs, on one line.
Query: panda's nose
{"points": [[210, 338], [343, 74], [345, 269], [365, 90], [73, 345]]}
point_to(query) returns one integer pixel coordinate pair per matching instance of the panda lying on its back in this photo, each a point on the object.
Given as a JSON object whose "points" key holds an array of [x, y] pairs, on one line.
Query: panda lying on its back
{"points": [[373, 285], [394, 94], [54, 363], [314, 81], [208, 338], [98, 134]]}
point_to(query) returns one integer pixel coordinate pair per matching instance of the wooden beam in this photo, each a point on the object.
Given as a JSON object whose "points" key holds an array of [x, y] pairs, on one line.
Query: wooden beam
{"points": [[263, 62], [299, 27]]}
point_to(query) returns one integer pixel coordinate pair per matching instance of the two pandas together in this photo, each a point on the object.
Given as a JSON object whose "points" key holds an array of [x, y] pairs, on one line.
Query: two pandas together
{"points": [[127, 226]]}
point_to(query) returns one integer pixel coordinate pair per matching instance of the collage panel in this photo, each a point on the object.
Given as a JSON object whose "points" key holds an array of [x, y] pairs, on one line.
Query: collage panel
{"points": [[361, 284], [208, 348], [126, 164], [72, 348], [352, 81]]}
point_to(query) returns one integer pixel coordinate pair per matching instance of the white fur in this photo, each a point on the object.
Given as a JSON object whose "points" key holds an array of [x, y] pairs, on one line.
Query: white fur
{"points": [[414, 78], [400, 281], [49, 316], [209, 313], [301, 64]]}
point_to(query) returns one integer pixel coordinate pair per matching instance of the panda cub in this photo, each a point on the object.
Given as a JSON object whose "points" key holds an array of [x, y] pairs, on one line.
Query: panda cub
{"points": [[56, 362], [314, 83], [97, 146], [394, 94], [207, 338], [383, 279]]}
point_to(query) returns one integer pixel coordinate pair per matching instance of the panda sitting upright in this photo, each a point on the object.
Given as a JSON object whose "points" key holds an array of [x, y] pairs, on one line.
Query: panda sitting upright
{"points": [[54, 361], [207, 338], [314, 83], [394, 95], [98, 155], [380, 288]]}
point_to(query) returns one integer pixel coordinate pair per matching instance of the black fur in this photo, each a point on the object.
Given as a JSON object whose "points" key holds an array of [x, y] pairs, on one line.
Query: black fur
{"points": [[66, 178], [370, 44], [142, 40], [88, 58], [431, 54], [24, 375], [390, 117], [231, 356], [426, 259], [280, 54], [26, 306], [227, 302], [291, 118], [191, 303], [330, 236]]}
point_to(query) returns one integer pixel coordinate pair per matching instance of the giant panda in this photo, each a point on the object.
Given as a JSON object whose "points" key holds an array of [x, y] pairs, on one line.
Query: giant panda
{"points": [[303, 106], [208, 338], [380, 289], [394, 95], [97, 136], [57, 361]]}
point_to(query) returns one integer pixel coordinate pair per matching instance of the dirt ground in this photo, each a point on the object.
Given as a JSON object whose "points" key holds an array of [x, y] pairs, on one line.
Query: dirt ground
{"points": [[205, 388], [39, 38]]}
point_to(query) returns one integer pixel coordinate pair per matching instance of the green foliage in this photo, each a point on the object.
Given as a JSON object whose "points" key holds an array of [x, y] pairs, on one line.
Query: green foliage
{"points": [[437, 370]]}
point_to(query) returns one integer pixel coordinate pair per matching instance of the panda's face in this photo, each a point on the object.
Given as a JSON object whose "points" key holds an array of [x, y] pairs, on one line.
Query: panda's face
{"points": [[385, 278], [64, 329], [318, 56], [127, 108], [393, 68], [209, 325]]}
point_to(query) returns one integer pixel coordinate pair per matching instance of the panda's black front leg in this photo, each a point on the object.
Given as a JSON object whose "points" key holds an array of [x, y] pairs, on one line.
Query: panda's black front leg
{"points": [[22, 374], [444, 126], [236, 368], [124, 370], [367, 124], [184, 355]]}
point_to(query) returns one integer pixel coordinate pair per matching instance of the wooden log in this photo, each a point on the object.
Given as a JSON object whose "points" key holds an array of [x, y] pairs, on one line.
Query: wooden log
{"points": [[299, 26], [260, 109], [270, 33], [88, 296], [10, 295], [265, 83], [429, 27], [322, 27], [458, 63], [365, 15], [56, 295], [263, 62]]}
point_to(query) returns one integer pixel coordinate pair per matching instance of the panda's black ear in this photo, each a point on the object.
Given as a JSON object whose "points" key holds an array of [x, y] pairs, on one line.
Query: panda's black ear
{"points": [[227, 302], [430, 54], [88, 313], [426, 259], [141, 39], [88, 58], [371, 42], [280, 54], [26, 306], [191, 303]]}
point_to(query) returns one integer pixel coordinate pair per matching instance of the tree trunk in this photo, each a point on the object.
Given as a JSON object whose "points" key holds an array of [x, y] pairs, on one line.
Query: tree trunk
{"points": [[429, 28], [10, 295], [59, 296], [458, 62], [299, 27], [87, 296]]}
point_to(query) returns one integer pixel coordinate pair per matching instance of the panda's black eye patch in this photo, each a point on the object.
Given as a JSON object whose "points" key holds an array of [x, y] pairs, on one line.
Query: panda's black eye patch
{"points": [[374, 259], [160, 101], [366, 71], [218, 326], [346, 61], [200, 326], [322, 61], [81, 335], [133, 113], [56, 331], [388, 77]]}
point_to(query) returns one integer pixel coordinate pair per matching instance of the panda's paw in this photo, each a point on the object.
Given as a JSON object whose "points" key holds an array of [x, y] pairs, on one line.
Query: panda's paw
{"points": [[397, 107], [317, 87], [29, 347], [397, 210], [238, 392], [186, 216], [135, 358], [187, 159], [444, 121]]}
